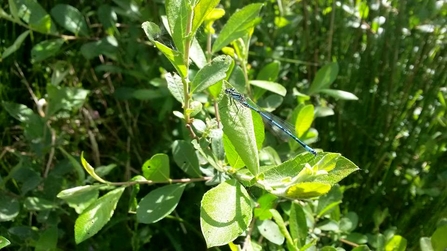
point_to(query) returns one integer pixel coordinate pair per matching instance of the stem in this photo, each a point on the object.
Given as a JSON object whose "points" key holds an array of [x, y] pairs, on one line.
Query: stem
{"points": [[185, 81], [151, 182]]}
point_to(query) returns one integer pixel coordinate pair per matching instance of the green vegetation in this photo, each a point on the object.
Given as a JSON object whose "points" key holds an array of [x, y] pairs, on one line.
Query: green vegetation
{"points": [[118, 134]]}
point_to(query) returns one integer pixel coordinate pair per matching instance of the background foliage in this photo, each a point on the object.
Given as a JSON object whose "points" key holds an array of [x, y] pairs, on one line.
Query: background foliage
{"points": [[113, 103]]}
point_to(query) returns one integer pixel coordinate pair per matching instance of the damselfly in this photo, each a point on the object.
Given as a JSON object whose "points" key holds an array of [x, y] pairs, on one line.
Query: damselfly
{"points": [[267, 116]]}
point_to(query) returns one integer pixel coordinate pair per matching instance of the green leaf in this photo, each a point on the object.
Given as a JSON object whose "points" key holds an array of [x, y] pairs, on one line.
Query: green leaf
{"points": [[237, 78], [4, 242], [174, 57], [349, 222], [186, 158], [47, 239], [265, 203], [238, 126], [9, 208], [79, 198], [324, 78], [177, 12], [212, 16], [233, 158], [196, 54], [159, 203], [438, 240], [269, 72], [38, 204], [270, 86], [150, 94], [95, 217], [238, 25], [342, 169], [16, 45], [328, 248], [90, 170], [151, 30], [108, 18], [65, 98], [201, 10], [45, 49], [298, 225], [101, 171], [270, 230], [304, 119], [321, 111], [329, 225], [211, 74], [329, 201], [107, 46], [377, 241], [13, 8], [284, 173], [133, 202], [425, 244], [70, 18], [18, 111], [258, 126], [398, 243], [282, 228], [305, 176], [307, 190], [270, 103], [281, 22], [203, 147], [130, 9], [361, 248], [225, 213], [339, 94], [359, 238], [34, 15], [75, 164], [175, 86], [157, 168]]}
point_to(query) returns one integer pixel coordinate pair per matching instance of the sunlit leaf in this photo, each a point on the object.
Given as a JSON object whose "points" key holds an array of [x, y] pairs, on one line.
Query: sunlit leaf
{"points": [[212, 73], [175, 86], [177, 12], [157, 168], [238, 126], [96, 216], [438, 239], [304, 119], [398, 243], [201, 11], [270, 231], [174, 57], [225, 213], [90, 170], [270, 86], [307, 190], [4, 242], [238, 25], [339, 94], [79, 198]]}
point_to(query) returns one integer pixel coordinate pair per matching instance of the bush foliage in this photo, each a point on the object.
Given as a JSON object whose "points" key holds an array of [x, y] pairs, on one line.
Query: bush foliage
{"points": [[119, 135]]}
